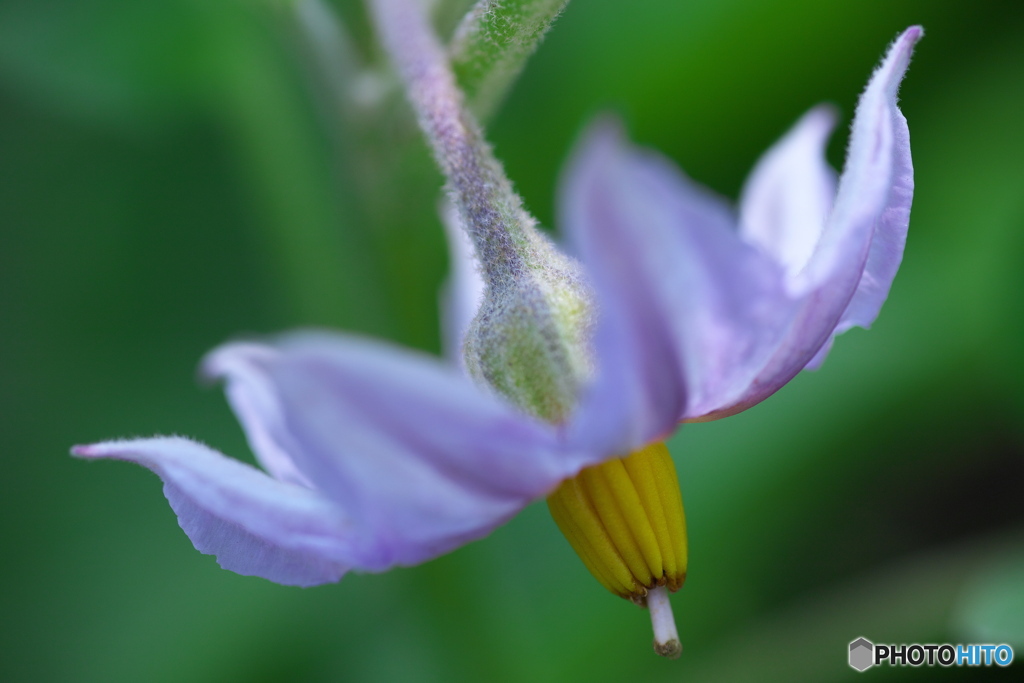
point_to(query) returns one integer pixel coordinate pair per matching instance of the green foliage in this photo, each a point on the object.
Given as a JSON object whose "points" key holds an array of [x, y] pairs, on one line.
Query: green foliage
{"points": [[992, 605]]}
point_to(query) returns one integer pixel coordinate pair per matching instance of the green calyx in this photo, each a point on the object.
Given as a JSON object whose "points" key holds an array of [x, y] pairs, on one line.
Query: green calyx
{"points": [[529, 340]]}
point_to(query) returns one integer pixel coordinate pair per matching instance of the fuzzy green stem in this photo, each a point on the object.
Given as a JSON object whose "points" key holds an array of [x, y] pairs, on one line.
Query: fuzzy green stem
{"points": [[490, 208], [493, 42], [529, 338]]}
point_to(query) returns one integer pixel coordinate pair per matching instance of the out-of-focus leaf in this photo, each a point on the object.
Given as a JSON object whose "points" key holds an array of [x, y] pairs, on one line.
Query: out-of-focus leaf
{"points": [[908, 602], [991, 608], [378, 155], [309, 216], [332, 49], [137, 63]]}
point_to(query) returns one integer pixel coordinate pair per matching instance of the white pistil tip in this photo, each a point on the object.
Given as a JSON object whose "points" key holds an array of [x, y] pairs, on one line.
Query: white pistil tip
{"points": [[666, 639]]}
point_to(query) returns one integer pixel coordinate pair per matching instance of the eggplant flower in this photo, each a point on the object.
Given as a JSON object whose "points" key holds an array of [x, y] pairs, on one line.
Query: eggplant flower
{"points": [[376, 456]]}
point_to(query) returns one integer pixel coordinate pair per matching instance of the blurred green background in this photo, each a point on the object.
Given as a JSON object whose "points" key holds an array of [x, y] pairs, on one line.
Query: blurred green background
{"points": [[177, 172]]}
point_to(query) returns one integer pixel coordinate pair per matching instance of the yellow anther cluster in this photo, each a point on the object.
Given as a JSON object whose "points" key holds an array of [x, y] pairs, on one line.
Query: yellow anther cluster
{"points": [[625, 520]]}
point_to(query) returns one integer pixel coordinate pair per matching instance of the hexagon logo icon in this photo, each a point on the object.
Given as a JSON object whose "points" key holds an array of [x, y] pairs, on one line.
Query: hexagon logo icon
{"points": [[862, 653]]}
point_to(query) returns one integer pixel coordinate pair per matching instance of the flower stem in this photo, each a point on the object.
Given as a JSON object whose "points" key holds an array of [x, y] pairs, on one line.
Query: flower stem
{"points": [[666, 639], [492, 212]]}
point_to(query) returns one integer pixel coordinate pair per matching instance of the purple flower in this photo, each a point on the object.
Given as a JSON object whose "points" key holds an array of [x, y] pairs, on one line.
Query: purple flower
{"points": [[376, 456]]}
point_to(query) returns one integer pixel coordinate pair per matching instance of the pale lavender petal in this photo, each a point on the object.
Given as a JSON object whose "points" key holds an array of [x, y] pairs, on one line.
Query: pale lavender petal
{"points": [[422, 459], [789, 193], [256, 405], [876, 174], [639, 392], [890, 235], [463, 290], [255, 525], [714, 307], [820, 356], [872, 202]]}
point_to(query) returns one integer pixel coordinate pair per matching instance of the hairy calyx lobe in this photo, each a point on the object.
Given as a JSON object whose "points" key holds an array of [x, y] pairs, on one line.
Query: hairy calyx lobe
{"points": [[529, 339]]}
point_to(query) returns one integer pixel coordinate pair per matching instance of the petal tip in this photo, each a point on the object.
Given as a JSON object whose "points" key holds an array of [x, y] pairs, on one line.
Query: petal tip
{"points": [[902, 48], [119, 449], [84, 451], [608, 123], [890, 72], [826, 114], [606, 131], [224, 360], [913, 34]]}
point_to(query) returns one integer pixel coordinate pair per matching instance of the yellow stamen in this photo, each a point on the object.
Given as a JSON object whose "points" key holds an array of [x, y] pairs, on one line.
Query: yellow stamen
{"points": [[585, 550], [574, 511], [625, 520]]}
